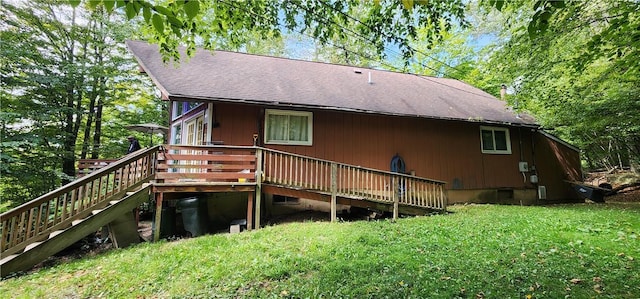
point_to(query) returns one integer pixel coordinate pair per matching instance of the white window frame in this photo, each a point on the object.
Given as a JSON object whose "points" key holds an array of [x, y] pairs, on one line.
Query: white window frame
{"points": [[309, 116], [198, 128], [174, 110], [494, 151], [174, 132]]}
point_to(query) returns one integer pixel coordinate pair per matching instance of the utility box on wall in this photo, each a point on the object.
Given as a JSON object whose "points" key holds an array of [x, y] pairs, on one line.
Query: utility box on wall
{"points": [[523, 166], [542, 192]]}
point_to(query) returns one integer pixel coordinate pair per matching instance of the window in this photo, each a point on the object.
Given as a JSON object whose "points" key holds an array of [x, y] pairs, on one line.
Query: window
{"points": [[495, 140], [177, 134], [177, 109], [288, 127], [195, 130], [181, 108]]}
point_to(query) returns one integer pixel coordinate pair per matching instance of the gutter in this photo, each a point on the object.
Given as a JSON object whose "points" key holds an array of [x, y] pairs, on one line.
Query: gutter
{"points": [[333, 108]]}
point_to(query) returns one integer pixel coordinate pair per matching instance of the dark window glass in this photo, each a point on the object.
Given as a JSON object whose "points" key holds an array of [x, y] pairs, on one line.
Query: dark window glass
{"points": [[501, 140], [191, 105], [178, 107], [487, 140]]}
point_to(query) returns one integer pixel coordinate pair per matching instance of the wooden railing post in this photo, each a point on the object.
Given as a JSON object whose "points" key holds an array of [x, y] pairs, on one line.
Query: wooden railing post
{"points": [[158, 217], [334, 191], [259, 170], [396, 196]]}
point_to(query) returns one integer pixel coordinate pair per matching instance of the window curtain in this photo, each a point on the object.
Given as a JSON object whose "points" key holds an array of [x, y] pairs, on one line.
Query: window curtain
{"points": [[298, 128], [277, 127]]}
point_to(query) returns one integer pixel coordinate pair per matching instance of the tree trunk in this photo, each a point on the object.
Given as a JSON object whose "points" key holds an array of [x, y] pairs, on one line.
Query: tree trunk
{"points": [[87, 129], [95, 151], [633, 148]]}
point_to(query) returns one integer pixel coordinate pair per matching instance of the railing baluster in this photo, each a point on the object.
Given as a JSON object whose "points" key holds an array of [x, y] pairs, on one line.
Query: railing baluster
{"points": [[296, 171], [281, 169], [30, 228], [421, 195], [11, 230], [45, 214]]}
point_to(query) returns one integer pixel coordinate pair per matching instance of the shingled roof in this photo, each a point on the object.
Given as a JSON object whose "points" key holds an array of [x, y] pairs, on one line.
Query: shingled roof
{"points": [[263, 80]]}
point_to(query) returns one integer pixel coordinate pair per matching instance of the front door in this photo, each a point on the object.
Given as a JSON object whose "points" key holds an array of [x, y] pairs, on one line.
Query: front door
{"points": [[196, 131]]}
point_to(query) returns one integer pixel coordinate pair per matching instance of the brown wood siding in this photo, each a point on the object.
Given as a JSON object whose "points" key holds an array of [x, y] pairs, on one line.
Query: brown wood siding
{"points": [[437, 149], [237, 124], [557, 164]]}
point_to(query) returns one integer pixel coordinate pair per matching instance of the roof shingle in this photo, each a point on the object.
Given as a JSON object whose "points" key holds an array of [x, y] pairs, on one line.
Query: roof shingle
{"points": [[230, 76]]}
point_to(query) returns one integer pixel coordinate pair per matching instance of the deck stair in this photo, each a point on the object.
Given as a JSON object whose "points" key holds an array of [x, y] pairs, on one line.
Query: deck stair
{"points": [[58, 240], [50, 223]]}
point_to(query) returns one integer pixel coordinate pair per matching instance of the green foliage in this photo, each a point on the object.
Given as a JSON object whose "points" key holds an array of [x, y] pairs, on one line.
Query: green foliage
{"points": [[452, 57], [578, 251], [62, 72], [384, 22], [578, 74]]}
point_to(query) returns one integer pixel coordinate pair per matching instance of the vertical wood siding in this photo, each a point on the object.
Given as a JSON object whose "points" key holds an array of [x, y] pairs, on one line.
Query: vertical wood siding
{"points": [[436, 149]]}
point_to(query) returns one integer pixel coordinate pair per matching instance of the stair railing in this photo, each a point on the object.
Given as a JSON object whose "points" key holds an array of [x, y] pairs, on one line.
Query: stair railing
{"points": [[35, 220], [351, 181]]}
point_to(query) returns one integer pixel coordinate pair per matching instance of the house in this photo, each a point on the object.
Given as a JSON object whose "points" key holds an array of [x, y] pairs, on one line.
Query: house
{"points": [[437, 128], [300, 135]]}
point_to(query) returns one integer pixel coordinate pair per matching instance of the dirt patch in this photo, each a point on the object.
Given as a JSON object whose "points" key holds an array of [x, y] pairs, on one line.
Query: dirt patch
{"points": [[627, 196], [624, 183], [304, 216]]}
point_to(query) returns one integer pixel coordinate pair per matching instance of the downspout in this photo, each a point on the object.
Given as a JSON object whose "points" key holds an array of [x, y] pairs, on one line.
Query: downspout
{"points": [[210, 119], [524, 176], [534, 169]]}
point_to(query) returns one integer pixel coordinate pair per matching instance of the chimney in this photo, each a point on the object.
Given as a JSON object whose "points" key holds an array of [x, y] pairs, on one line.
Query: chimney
{"points": [[503, 92]]}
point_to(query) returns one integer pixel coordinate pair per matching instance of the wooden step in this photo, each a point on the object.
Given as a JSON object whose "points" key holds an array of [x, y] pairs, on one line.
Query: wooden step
{"points": [[94, 212], [113, 202], [32, 245], [55, 233], [76, 222]]}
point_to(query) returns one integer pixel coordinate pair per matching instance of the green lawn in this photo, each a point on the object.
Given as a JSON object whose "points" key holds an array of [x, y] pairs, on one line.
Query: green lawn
{"points": [[566, 251]]}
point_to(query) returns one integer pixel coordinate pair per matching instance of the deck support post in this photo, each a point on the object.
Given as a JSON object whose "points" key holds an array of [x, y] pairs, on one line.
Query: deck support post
{"points": [[158, 217], [334, 191], [396, 197], [259, 172], [250, 211]]}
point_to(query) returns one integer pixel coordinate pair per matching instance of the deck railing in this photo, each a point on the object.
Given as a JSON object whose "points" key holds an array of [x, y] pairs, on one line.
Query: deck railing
{"points": [[35, 220], [214, 163], [87, 166], [352, 181]]}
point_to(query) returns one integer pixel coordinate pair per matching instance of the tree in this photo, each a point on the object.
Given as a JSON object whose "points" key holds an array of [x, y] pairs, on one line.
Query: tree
{"points": [[578, 73], [384, 22], [452, 57], [62, 69]]}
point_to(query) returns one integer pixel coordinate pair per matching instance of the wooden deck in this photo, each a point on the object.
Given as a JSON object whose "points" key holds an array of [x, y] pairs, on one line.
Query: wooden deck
{"points": [[173, 169]]}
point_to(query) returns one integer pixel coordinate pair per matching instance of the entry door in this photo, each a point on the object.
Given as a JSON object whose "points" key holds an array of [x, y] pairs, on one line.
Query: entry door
{"points": [[195, 131], [195, 135]]}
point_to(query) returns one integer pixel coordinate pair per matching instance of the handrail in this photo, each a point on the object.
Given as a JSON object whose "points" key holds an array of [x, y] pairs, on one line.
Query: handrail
{"points": [[340, 179], [222, 163], [87, 166], [34, 220], [354, 166]]}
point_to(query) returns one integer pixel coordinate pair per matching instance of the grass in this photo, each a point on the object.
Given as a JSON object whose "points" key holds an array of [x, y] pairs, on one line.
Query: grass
{"points": [[566, 251]]}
